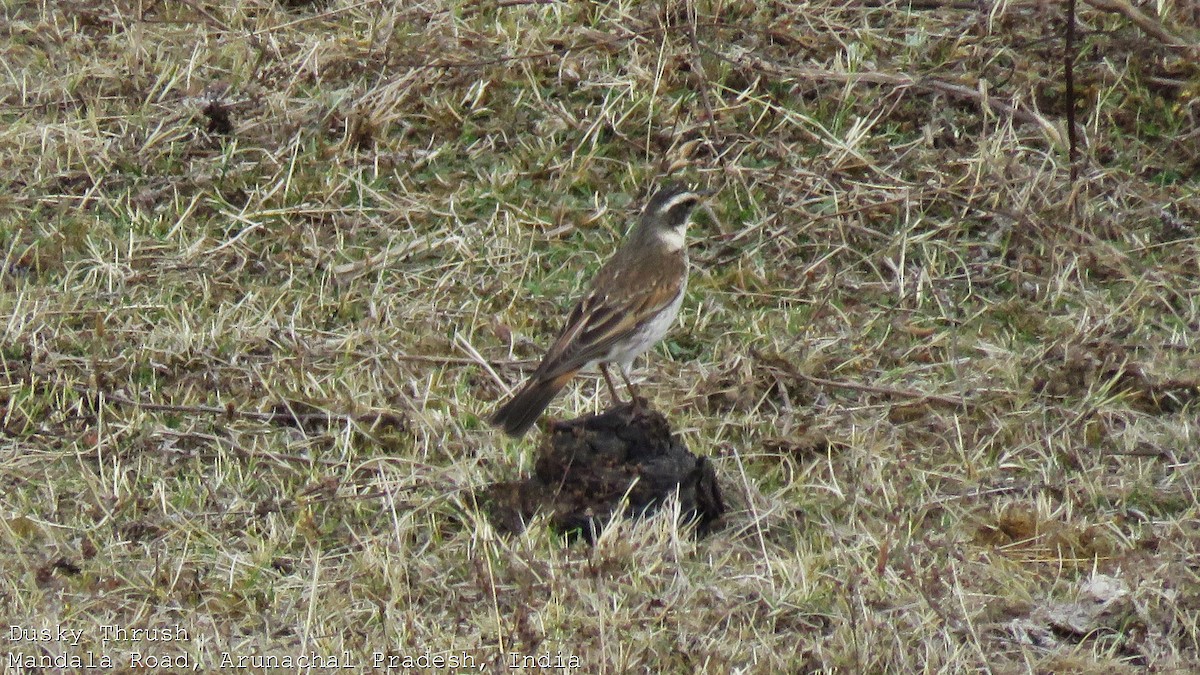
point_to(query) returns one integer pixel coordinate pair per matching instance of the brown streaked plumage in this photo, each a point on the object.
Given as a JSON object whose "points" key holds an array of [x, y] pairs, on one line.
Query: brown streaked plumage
{"points": [[629, 306]]}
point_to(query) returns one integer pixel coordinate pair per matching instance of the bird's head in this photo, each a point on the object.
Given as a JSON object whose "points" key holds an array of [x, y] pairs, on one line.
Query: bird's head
{"points": [[668, 211]]}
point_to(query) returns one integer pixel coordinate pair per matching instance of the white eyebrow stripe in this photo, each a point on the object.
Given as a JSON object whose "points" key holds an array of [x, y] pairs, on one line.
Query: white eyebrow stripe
{"points": [[677, 200]]}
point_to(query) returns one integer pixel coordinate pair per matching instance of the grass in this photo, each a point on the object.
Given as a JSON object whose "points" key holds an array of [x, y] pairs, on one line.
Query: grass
{"points": [[950, 394]]}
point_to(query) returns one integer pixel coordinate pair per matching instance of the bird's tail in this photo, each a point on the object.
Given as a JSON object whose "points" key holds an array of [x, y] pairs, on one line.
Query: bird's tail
{"points": [[516, 416]]}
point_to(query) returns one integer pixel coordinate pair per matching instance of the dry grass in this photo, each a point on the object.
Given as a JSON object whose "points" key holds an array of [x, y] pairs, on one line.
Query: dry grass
{"points": [[951, 397]]}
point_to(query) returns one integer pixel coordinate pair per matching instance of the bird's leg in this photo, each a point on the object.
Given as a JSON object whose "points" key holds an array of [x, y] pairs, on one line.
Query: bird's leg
{"points": [[612, 390], [633, 391]]}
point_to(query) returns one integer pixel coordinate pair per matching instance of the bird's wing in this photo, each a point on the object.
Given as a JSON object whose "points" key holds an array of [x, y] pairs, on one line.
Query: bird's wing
{"points": [[600, 320]]}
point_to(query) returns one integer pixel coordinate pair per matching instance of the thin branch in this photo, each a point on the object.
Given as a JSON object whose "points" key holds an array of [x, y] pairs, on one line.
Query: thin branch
{"points": [[282, 415], [1017, 111], [463, 360], [1149, 25], [211, 20], [966, 5], [705, 84], [792, 370], [1069, 76]]}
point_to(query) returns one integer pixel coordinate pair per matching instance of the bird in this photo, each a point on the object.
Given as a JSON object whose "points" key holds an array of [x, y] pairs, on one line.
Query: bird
{"points": [[628, 307]]}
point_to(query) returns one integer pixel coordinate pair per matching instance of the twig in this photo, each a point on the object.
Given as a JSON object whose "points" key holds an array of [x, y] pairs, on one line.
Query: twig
{"points": [[1018, 111], [283, 416], [503, 4], [792, 370], [208, 16], [462, 360], [351, 270], [477, 358], [968, 5], [316, 17], [698, 67], [237, 448], [533, 56], [1148, 24], [1069, 76]]}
